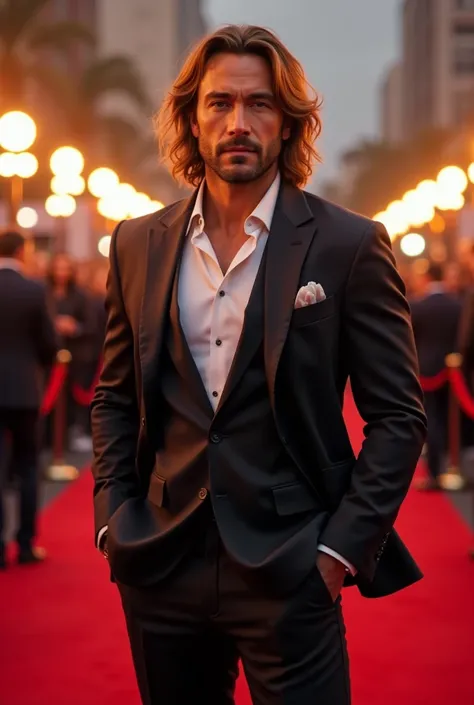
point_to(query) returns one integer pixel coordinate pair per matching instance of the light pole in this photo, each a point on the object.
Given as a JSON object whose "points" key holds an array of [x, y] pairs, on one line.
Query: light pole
{"points": [[17, 134]]}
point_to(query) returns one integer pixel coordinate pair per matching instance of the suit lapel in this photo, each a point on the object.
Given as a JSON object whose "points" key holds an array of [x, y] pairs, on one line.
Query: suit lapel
{"points": [[165, 241], [179, 349], [293, 229]]}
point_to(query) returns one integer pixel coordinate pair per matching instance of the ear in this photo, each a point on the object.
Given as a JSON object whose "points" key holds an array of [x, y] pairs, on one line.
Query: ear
{"points": [[194, 126], [285, 133]]}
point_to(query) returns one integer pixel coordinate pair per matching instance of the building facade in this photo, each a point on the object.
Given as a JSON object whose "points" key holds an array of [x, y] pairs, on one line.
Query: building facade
{"points": [[391, 106], [84, 12], [438, 63], [156, 35]]}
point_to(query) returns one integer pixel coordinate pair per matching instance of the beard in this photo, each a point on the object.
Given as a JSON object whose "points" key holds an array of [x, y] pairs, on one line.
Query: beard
{"points": [[240, 168]]}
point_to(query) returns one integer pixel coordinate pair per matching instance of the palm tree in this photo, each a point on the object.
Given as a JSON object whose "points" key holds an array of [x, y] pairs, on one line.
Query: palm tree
{"points": [[75, 109], [78, 105], [22, 38], [386, 172]]}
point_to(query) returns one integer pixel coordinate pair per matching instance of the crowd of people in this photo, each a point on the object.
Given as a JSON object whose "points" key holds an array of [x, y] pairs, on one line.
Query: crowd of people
{"points": [[75, 292], [48, 303], [441, 297]]}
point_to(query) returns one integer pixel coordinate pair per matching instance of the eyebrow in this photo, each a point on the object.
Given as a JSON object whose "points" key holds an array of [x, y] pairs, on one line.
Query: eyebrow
{"points": [[225, 95]]}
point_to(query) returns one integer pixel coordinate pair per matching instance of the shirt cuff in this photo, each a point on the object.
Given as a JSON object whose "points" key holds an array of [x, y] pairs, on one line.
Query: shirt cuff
{"points": [[338, 557], [100, 536]]}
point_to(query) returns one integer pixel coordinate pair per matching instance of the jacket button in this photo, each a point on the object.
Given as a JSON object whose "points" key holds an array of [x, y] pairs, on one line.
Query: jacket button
{"points": [[202, 494], [142, 420], [215, 438]]}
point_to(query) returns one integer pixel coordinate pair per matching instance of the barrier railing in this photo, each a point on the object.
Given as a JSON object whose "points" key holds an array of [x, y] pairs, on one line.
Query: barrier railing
{"points": [[55, 402], [460, 399]]}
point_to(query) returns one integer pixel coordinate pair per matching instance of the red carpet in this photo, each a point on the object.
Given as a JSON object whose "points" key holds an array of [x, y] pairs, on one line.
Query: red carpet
{"points": [[63, 642]]}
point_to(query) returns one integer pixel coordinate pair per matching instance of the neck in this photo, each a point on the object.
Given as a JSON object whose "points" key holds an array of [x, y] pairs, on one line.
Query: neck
{"points": [[227, 206]]}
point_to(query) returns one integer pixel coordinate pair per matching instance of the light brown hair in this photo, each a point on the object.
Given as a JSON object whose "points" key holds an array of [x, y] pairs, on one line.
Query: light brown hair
{"points": [[295, 97]]}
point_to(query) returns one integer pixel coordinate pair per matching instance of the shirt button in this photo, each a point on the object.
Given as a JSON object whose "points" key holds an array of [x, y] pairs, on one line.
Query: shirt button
{"points": [[215, 394], [218, 341], [221, 293], [215, 438], [202, 494]]}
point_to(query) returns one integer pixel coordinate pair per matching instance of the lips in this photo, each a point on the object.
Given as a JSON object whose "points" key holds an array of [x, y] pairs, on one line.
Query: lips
{"points": [[239, 149]]}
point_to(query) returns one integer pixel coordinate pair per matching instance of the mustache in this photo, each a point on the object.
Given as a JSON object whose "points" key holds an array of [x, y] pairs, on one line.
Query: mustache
{"points": [[238, 142]]}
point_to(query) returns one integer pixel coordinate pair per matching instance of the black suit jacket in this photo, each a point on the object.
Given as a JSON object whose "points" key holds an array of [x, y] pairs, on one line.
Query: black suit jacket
{"points": [[362, 331], [436, 320], [27, 341]]}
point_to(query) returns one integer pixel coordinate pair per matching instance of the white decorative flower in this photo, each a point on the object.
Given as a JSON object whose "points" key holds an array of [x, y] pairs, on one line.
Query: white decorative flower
{"points": [[310, 294]]}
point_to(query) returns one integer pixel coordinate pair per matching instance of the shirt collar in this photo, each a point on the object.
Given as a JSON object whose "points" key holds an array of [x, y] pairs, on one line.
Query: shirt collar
{"points": [[435, 288], [261, 215], [10, 263]]}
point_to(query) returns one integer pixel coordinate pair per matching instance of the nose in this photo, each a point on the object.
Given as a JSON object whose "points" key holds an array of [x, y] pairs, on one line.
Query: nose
{"points": [[238, 124]]}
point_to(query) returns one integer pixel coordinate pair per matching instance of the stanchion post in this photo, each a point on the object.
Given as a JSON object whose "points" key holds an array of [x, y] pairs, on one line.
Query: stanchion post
{"points": [[452, 479], [59, 470]]}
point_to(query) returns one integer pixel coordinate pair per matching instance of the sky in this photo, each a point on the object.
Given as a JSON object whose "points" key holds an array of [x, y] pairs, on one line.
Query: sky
{"points": [[345, 46]]}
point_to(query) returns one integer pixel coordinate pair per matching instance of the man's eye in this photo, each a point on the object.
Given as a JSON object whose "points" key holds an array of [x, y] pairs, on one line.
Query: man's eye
{"points": [[219, 104], [259, 104]]}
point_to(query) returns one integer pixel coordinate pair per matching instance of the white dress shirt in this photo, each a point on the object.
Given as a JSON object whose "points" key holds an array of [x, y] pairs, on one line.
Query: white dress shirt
{"points": [[212, 304]]}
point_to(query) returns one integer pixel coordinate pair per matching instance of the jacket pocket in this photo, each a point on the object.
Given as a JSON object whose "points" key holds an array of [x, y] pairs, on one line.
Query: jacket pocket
{"points": [[294, 498], [306, 315]]}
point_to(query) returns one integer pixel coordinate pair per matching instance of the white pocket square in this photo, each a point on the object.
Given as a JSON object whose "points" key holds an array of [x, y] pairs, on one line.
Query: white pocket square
{"points": [[311, 293]]}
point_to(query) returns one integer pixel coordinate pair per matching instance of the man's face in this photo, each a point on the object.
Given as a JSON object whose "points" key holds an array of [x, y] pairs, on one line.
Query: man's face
{"points": [[238, 124]]}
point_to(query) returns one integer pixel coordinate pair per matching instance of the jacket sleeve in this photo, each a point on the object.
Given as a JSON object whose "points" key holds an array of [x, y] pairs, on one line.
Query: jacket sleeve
{"points": [[115, 417], [379, 345]]}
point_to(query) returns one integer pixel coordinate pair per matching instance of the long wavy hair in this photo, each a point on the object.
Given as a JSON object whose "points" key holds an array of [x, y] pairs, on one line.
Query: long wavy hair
{"points": [[295, 97]]}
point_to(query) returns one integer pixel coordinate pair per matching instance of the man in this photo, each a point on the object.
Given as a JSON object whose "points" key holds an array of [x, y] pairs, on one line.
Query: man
{"points": [[227, 496], [27, 349], [436, 320]]}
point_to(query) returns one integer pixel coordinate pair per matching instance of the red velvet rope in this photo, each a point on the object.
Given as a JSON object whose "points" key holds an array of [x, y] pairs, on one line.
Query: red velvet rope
{"points": [[460, 389], [84, 397], [53, 389], [455, 377], [432, 384]]}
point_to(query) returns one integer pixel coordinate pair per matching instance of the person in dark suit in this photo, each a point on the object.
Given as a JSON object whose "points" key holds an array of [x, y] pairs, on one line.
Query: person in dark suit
{"points": [[27, 350], [73, 318], [227, 496], [436, 319]]}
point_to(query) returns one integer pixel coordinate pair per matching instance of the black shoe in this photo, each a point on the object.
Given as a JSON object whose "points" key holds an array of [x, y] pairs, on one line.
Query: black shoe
{"points": [[31, 555]]}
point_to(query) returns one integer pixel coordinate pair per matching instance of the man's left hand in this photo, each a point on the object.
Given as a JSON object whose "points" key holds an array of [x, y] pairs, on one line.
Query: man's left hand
{"points": [[333, 573]]}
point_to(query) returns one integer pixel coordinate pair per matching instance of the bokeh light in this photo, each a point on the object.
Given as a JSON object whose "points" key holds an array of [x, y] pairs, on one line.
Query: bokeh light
{"points": [[17, 131], [8, 164], [102, 181], [26, 165], [103, 245], [412, 244], [27, 217], [66, 160], [72, 184], [60, 206]]}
